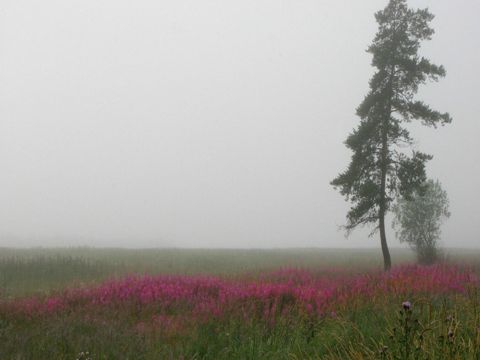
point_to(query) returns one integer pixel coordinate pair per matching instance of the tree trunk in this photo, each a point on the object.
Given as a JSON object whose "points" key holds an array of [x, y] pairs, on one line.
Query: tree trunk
{"points": [[387, 261]]}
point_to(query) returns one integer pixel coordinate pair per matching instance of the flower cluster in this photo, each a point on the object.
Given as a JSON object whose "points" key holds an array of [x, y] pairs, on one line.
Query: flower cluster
{"points": [[166, 299]]}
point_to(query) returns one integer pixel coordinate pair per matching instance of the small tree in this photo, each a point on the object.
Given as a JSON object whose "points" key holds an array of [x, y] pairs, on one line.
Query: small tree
{"points": [[380, 170], [417, 220]]}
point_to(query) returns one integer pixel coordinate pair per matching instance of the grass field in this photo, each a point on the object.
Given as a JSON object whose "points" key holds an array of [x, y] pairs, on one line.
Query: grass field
{"points": [[240, 304]]}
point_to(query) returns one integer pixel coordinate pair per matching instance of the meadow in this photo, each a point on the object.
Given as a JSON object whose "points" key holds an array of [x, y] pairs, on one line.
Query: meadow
{"points": [[86, 303]]}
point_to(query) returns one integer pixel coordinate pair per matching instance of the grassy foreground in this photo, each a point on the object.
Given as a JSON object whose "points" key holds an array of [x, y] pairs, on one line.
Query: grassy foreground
{"points": [[296, 304]]}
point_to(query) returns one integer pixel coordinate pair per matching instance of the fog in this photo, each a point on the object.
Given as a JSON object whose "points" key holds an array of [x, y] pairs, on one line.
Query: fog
{"points": [[210, 123]]}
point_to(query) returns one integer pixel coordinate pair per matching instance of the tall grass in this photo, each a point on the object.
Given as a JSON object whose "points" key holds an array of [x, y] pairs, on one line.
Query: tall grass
{"points": [[281, 315], [235, 304], [25, 271]]}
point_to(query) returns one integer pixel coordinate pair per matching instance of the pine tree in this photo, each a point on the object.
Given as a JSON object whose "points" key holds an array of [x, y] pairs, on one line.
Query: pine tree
{"points": [[380, 170]]}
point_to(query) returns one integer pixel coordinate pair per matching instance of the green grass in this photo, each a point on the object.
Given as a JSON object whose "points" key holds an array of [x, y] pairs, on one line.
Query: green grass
{"points": [[365, 332], [27, 271]]}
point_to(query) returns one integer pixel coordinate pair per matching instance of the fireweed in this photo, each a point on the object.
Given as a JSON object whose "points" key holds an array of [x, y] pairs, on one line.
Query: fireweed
{"points": [[168, 299]]}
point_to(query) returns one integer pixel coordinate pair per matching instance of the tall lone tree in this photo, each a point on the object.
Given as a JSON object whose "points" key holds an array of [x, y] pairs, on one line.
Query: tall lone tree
{"points": [[380, 169]]}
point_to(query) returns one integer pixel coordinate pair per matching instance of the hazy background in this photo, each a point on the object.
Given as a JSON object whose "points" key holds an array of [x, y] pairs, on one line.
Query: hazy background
{"points": [[209, 123]]}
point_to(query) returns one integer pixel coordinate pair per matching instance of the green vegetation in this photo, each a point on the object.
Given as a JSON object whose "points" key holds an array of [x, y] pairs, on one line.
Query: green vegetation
{"points": [[27, 271], [439, 325], [417, 220], [39, 270], [380, 170], [369, 333]]}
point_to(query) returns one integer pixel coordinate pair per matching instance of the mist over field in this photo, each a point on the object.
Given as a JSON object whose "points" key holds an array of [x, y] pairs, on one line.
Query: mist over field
{"points": [[211, 124], [177, 179]]}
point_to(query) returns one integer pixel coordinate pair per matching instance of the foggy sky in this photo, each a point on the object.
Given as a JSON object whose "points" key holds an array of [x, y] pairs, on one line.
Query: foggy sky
{"points": [[211, 123]]}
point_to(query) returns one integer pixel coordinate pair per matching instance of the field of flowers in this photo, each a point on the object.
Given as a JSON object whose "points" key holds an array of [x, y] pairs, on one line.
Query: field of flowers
{"points": [[412, 312]]}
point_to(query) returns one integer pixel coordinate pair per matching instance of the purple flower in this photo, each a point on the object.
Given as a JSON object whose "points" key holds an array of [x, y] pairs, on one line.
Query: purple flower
{"points": [[407, 305]]}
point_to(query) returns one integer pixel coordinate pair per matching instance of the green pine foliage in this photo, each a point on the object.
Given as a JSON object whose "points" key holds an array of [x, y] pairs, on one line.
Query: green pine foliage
{"points": [[380, 170]]}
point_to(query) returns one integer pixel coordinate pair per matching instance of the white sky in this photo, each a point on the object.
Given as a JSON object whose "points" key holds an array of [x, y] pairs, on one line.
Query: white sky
{"points": [[211, 123]]}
